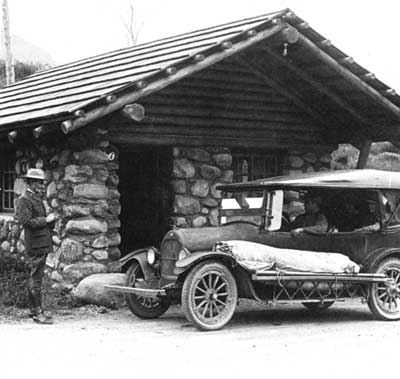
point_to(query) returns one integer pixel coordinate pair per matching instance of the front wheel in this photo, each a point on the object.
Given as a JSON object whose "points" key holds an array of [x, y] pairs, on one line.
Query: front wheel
{"points": [[384, 300], [143, 307], [209, 296]]}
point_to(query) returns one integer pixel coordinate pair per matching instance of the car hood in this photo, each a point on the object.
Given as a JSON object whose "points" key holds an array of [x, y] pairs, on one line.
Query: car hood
{"points": [[201, 239]]}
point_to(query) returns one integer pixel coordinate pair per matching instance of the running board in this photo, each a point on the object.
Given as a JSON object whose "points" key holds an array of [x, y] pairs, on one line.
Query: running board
{"points": [[155, 294]]}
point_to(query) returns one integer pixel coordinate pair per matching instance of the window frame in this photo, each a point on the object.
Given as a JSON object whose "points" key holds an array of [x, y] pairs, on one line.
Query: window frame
{"points": [[250, 156], [7, 179]]}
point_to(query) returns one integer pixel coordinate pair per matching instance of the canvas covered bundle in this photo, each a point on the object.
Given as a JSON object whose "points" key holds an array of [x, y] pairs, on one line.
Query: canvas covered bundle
{"points": [[255, 256]]}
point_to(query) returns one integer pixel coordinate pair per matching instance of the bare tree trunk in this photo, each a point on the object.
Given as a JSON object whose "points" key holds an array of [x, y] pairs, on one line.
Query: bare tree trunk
{"points": [[10, 74], [132, 30]]}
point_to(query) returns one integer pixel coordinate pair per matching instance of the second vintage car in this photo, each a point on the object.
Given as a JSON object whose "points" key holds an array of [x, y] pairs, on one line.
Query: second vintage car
{"points": [[200, 269]]}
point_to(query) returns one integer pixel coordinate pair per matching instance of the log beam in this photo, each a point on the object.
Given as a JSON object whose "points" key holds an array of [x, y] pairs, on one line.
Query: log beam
{"points": [[349, 76], [364, 153], [281, 89], [317, 86]]}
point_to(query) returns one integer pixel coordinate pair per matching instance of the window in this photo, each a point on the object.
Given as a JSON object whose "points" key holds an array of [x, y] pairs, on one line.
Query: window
{"points": [[255, 165], [7, 176]]}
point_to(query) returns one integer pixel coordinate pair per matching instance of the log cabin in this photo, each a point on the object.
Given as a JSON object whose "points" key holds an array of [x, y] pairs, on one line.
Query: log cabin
{"points": [[135, 141]]}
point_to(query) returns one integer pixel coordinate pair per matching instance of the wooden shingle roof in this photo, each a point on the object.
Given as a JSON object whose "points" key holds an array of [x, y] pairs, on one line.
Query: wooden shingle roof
{"points": [[64, 89], [334, 86]]}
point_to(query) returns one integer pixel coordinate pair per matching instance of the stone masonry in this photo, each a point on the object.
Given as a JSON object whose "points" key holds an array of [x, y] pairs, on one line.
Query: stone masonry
{"points": [[298, 162], [82, 189], [196, 174]]}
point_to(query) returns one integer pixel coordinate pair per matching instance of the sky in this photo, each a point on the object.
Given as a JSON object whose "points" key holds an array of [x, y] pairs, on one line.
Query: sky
{"points": [[70, 30]]}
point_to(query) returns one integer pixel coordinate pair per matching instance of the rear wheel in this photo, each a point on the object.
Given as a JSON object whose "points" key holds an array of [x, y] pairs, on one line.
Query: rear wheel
{"points": [[318, 307], [384, 300], [143, 307], [209, 296]]}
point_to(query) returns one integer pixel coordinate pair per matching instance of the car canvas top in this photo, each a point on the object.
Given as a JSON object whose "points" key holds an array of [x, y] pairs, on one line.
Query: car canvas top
{"points": [[368, 179]]}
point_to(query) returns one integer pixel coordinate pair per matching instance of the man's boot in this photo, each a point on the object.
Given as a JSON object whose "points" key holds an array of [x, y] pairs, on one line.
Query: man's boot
{"points": [[39, 315], [40, 318], [32, 309], [46, 314]]}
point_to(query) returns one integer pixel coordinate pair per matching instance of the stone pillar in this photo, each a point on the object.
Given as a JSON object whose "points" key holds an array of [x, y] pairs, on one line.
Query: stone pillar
{"points": [[196, 174], [82, 189]]}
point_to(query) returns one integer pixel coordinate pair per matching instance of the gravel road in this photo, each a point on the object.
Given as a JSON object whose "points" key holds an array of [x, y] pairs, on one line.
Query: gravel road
{"points": [[285, 341]]}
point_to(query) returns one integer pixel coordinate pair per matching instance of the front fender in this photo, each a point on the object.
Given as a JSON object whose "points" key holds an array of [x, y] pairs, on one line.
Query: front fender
{"points": [[376, 256], [185, 264], [149, 272]]}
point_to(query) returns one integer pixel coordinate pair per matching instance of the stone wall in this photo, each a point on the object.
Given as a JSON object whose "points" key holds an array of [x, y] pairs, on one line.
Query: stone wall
{"points": [[82, 189], [306, 161], [196, 173]]}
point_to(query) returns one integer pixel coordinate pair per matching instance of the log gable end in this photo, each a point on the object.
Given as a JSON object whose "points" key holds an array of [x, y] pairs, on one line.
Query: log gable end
{"points": [[226, 104]]}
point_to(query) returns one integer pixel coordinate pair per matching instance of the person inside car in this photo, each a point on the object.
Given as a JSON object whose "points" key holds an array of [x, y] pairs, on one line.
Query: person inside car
{"points": [[312, 220], [370, 219], [361, 217]]}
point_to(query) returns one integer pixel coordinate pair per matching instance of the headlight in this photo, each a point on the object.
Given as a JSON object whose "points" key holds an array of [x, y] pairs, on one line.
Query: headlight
{"points": [[151, 256], [183, 254]]}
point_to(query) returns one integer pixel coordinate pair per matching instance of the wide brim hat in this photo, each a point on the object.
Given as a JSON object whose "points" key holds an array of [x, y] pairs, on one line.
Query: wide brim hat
{"points": [[35, 174]]}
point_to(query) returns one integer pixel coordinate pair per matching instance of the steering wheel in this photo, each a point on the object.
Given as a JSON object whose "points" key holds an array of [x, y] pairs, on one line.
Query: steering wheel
{"points": [[285, 223]]}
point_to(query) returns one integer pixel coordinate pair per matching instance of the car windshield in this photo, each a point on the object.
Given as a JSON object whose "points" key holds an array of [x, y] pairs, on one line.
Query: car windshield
{"points": [[339, 210], [242, 206]]}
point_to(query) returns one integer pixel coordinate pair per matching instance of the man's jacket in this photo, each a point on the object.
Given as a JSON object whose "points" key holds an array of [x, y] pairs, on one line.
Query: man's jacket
{"points": [[32, 215]]}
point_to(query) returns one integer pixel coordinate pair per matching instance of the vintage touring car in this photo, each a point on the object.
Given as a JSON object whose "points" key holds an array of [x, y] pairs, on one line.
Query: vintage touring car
{"points": [[190, 268]]}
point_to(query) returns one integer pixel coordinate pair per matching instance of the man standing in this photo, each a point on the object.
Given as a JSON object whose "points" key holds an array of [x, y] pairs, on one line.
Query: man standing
{"points": [[37, 226]]}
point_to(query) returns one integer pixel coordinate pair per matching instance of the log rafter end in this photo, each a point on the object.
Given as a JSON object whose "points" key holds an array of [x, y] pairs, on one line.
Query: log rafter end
{"points": [[37, 131], [135, 112], [67, 126], [12, 136]]}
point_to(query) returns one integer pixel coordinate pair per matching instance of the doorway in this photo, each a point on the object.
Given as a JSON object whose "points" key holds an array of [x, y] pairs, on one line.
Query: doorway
{"points": [[146, 197]]}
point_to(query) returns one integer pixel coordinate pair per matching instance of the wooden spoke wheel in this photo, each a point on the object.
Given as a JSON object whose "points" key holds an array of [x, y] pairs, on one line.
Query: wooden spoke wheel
{"points": [[140, 306], [209, 296], [384, 300]]}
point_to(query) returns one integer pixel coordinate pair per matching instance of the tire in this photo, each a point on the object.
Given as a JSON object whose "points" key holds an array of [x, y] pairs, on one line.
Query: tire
{"points": [[209, 296], [318, 307], [143, 307], [384, 302]]}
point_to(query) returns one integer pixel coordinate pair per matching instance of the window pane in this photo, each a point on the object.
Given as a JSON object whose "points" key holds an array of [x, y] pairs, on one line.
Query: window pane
{"points": [[252, 166], [7, 177]]}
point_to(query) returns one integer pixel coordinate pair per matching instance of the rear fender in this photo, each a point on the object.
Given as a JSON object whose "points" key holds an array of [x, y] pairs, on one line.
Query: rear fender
{"points": [[373, 259], [140, 256]]}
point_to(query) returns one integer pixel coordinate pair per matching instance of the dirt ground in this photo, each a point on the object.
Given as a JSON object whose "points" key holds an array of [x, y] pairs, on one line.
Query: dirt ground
{"points": [[283, 341]]}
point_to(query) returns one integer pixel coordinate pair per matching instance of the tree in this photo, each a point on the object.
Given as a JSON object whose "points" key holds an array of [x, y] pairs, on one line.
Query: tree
{"points": [[21, 71], [6, 37], [130, 24]]}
